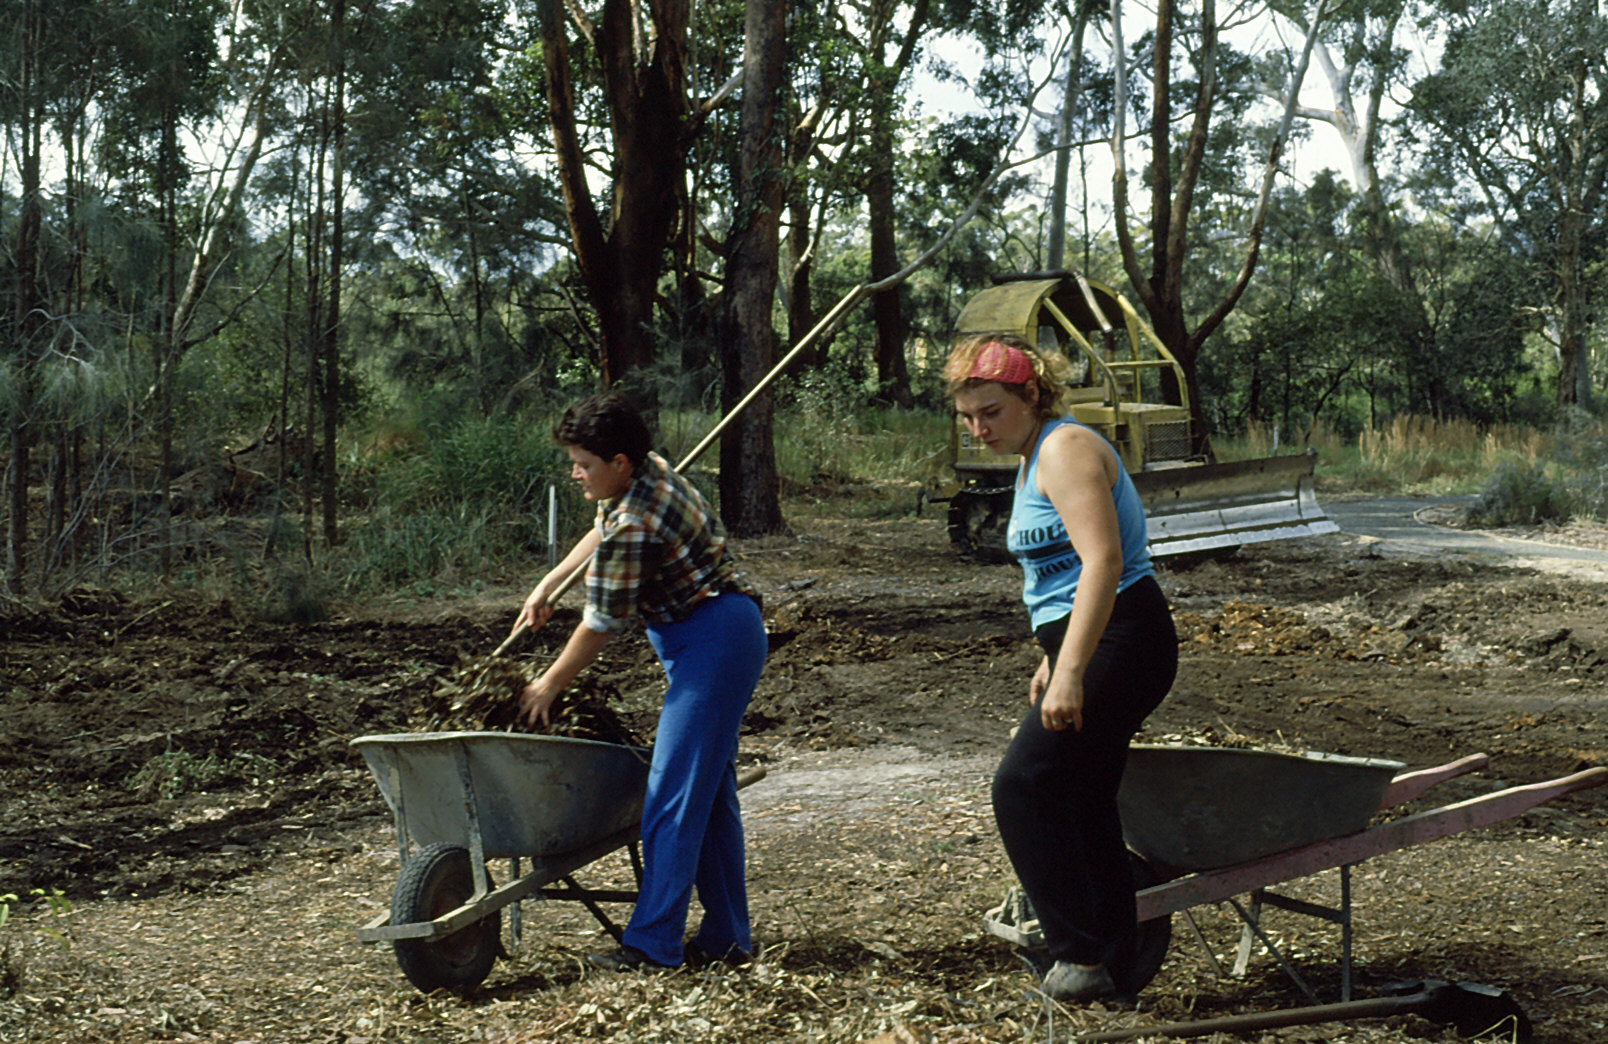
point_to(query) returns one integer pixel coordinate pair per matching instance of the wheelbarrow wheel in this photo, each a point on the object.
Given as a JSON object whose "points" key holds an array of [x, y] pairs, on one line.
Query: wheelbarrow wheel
{"points": [[1134, 970], [438, 879]]}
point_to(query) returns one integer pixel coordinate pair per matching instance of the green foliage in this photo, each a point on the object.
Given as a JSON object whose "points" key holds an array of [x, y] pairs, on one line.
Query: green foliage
{"points": [[176, 773], [1573, 484], [452, 498], [55, 926], [393, 549], [1583, 452], [1521, 495], [866, 460]]}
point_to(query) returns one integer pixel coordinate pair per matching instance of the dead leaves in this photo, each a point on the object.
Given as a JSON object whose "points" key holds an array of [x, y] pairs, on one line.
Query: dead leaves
{"points": [[484, 697]]}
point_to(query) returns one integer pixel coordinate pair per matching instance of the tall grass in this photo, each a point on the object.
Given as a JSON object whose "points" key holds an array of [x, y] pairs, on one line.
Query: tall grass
{"points": [[1410, 456], [858, 460], [453, 502], [1522, 475], [444, 507]]}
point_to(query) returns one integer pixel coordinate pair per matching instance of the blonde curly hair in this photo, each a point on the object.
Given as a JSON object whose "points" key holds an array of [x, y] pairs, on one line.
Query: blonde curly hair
{"points": [[1051, 372]]}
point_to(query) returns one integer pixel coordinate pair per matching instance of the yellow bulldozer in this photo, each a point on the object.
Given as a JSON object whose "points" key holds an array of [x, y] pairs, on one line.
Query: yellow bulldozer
{"points": [[1195, 506]]}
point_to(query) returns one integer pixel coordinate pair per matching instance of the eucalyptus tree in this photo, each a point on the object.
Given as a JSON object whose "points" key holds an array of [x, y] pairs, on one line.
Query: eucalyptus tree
{"points": [[68, 59], [1515, 124], [1217, 94], [890, 33], [1318, 335], [184, 118], [750, 501], [25, 109], [617, 77], [169, 77], [1072, 104], [1361, 56], [448, 178]]}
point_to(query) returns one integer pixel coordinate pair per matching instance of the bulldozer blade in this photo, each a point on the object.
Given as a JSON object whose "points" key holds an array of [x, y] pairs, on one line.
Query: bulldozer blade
{"points": [[1211, 507], [1475, 1011]]}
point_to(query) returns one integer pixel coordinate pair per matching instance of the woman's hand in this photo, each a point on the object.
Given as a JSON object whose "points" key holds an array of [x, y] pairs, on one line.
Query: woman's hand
{"points": [[536, 611], [538, 607], [1040, 682], [535, 700], [1063, 703]]}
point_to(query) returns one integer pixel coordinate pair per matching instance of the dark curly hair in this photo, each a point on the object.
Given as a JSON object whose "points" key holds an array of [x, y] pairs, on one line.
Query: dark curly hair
{"points": [[605, 424]]}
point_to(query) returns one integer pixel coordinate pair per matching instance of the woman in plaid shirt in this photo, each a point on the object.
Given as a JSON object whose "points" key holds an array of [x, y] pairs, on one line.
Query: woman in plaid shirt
{"points": [[659, 554]]}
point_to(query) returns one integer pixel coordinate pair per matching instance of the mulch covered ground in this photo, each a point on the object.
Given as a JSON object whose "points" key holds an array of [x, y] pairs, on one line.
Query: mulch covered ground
{"points": [[181, 776]]}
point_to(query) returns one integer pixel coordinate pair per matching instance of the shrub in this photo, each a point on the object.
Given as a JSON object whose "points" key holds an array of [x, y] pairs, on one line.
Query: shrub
{"points": [[1583, 449], [1520, 494]]}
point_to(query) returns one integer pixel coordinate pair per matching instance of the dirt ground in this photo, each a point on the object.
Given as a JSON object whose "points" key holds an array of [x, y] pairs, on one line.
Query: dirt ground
{"points": [[179, 778]]}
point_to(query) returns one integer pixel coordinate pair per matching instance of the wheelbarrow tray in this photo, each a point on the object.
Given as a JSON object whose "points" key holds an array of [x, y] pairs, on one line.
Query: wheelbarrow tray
{"points": [[528, 796], [1172, 889], [1200, 808]]}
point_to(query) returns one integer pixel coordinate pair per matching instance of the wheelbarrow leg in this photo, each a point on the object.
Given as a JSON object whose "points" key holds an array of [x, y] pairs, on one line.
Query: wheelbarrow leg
{"points": [[584, 897], [477, 845], [516, 919], [1200, 940], [1289, 969], [1251, 929], [1242, 954]]}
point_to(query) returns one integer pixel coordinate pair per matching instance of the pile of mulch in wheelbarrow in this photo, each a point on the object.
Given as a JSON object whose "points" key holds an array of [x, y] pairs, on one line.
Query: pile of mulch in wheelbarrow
{"points": [[484, 697]]}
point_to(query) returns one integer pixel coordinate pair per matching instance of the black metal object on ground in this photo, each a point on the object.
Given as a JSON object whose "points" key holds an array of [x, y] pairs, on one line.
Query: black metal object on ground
{"points": [[1474, 1010]]}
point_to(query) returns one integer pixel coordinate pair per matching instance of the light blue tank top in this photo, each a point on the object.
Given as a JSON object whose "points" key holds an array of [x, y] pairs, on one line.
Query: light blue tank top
{"points": [[1037, 537]]}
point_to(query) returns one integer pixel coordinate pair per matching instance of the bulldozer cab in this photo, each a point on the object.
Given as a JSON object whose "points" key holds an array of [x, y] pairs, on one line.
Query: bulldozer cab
{"points": [[1129, 388], [1123, 374]]}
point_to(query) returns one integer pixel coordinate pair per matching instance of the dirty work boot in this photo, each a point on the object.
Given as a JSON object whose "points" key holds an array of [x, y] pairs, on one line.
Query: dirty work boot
{"points": [[626, 958], [695, 955], [1071, 984]]}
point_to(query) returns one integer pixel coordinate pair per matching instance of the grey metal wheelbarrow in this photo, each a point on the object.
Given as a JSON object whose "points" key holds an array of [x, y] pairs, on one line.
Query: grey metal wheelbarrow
{"points": [[1208, 824], [464, 798]]}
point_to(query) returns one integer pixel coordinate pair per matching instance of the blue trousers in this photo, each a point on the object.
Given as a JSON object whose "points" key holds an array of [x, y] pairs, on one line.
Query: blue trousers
{"points": [[692, 831]]}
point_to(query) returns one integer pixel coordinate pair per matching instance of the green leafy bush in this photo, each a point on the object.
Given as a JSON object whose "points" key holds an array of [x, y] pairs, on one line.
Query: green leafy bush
{"points": [[1521, 495], [458, 498], [1583, 450]]}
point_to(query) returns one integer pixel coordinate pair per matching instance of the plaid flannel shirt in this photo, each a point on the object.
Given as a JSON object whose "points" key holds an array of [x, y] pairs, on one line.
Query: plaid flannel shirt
{"points": [[663, 552]]}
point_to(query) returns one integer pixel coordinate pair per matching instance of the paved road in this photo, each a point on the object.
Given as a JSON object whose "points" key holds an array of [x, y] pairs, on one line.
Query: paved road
{"points": [[1392, 520]]}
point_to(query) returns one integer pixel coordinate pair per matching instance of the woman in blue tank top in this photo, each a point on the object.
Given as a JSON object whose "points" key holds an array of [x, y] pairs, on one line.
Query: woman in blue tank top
{"points": [[1110, 653]]}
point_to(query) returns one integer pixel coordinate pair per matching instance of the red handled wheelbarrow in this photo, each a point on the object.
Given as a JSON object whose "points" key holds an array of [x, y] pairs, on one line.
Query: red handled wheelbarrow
{"points": [[1210, 824], [551, 804]]}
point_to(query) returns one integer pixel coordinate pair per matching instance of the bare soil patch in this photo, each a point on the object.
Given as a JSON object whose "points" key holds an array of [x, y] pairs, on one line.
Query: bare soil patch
{"points": [[182, 775]]}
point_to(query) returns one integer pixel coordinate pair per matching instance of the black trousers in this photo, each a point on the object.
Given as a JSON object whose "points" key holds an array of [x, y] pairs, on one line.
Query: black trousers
{"points": [[1055, 793]]}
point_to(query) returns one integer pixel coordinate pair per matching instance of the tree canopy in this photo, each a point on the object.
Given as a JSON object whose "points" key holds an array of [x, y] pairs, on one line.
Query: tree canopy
{"points": [[303, 223]]}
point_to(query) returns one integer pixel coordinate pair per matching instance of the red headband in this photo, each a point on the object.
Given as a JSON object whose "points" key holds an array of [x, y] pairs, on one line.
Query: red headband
{"points": [[1002, 363]]}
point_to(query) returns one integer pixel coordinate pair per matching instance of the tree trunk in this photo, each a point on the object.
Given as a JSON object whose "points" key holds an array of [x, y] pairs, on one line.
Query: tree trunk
{"points": [[26, 315], [800, 302], [646, 98], [1055, 255], [1172, 198], [1573, 383], [893, 377], [750, 501], [332, 325], [168, 347]]}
